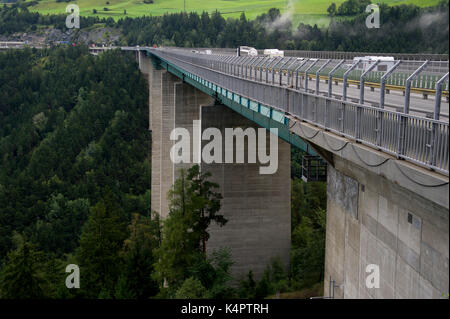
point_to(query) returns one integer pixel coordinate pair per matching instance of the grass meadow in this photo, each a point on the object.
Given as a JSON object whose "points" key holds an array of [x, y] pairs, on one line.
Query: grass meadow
{"points": [[306, 11]]}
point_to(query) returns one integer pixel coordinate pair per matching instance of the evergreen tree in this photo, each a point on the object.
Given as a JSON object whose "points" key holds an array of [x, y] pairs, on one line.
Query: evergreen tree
{"points": [[135, 280], [206, 202], [191, 289], [23, 277], [308, 250], [332, 9], [193, 205], [100, 244], [247, 287]]}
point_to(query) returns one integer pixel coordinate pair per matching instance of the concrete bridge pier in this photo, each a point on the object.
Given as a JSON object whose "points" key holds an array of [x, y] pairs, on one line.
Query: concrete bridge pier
{"points": [[257, 206], [173, 104]]}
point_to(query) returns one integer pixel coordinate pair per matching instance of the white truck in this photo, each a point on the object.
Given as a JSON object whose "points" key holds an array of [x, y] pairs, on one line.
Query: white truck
{"points": [[386, 62], [272, 53], [244, 50]]}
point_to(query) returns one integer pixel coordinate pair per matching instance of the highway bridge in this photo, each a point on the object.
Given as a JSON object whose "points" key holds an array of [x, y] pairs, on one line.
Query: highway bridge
{"points": [[383, 135]]}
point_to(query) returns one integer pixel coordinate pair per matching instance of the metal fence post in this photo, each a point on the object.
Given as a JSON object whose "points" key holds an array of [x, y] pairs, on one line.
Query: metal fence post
{"points": [[306, 74], [296, 72], [361, 100], [330, 77], [379, 129], [383, 82], [344, 89], [263, 65], [247, 65], [281, 70], [228, 65], [362, 81], [231, 64], [267, 69], [438, 96], [289, 73], [273, 71], [318, 75], [437, 111], [235, 65], [408, 86], [403, 119], [258, 61], [255, 67]]}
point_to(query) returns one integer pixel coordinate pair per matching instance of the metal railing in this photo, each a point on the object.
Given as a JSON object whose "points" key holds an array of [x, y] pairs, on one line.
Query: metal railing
{"points": [[414, 138], [337, 55]]}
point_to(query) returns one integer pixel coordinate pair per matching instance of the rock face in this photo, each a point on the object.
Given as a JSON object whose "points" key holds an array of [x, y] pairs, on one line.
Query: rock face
{"points": [[50, 36]]}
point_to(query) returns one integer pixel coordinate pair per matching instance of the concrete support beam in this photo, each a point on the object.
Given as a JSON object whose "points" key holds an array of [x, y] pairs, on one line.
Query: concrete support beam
{"points": [[257, 206]]}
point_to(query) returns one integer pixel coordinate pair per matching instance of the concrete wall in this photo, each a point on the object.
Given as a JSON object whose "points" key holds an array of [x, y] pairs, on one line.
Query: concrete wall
{"points": [[371, 220], [257, 206]]}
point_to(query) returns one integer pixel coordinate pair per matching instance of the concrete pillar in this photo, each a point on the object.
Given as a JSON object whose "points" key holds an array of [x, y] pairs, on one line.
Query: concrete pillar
{"points": [[371, 220], [144, 63], [257, 206], [155, 113], [188, 104], [167, 124]]}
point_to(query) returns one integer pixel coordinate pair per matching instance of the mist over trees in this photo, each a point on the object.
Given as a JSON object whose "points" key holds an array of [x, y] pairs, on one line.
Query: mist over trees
{"points": [[403, 29]]}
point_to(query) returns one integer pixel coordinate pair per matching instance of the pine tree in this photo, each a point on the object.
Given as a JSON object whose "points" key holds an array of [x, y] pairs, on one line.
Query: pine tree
{"points": [[193, 205], [135, 280], [23, 276], [206, 202], [100, 243], [191, 289]]}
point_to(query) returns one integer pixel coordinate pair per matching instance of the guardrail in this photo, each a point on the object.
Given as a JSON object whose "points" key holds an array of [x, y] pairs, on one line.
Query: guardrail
{"points": [[351, 55], [417, 139], [338, 54]]}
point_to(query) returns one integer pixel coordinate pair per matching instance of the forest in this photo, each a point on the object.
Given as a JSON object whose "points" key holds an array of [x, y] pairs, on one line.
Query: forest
{"points": [[403, 29], [75, 189]]}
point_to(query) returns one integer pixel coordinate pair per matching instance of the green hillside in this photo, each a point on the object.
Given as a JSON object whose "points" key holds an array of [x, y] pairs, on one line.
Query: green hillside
{"points": [[307, 11]]}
